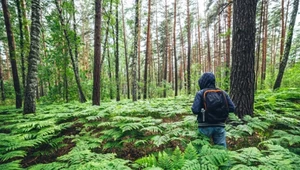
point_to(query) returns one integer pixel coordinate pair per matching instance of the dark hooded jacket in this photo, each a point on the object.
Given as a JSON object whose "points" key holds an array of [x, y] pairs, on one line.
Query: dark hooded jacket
{"points": [[207, 81]]}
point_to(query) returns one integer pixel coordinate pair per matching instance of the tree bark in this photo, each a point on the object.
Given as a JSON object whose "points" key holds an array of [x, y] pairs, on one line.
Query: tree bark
{"points": [[135, 54], [147, 50], [174, 51], [265, 40], [32, 79], [189, 49], [287, 45], [243, 49], [12, 53], [97, 53], [258, 45], [229, 32], [117, 55], [125, 50], [1, 82]]}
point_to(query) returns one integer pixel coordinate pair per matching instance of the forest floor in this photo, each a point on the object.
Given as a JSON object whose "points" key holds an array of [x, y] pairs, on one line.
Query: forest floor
{"points": [[126, 134]]}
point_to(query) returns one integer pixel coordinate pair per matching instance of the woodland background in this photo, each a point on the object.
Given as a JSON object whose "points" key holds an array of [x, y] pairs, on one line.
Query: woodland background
{"points": [[96, 74]]}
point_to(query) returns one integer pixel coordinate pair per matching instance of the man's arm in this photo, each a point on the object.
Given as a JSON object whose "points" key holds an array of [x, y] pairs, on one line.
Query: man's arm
{"points": [[231, 105], [196, 107]]}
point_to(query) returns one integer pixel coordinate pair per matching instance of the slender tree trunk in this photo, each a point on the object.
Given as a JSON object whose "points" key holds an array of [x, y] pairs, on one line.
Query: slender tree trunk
{"points": [[12, 53], [174, 43], [282, 30], [258, 45], [287, 45], [227, 60], [21, 42], [165, 60], [74, 64], [265, 40], [139, 53], [189, 49], [1, 81], [125, 50], [97, 53], [75, 34], [117, 54], [134, 57], [32, 79], [148, 52], [208, 68], [243, 56]]}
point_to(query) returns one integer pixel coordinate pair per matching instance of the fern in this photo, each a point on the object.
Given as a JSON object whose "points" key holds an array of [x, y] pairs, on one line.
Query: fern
{"points": [[13, 154], [14, 165], [192, 165], [214, 157], [190, 152], [177, 158], [164, 161], [160, 140], [147, 161]]}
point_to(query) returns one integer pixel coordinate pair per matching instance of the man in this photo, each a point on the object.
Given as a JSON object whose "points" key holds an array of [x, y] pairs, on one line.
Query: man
{"points": [[211, 122]]}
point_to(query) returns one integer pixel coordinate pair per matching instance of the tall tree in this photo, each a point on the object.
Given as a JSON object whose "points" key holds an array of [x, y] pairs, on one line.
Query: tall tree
{"points": [[243, 49], [21, 41], [1, 81], [32, 82], [117, 54], [135, 53], [12, 53], [189, 48], [228, 33], [97, 54], [287, 47], [125, 52], [174, 51], [74, 63], [148, 52]]}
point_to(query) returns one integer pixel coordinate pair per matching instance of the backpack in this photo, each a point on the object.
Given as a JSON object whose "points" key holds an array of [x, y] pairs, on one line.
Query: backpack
{"points": [[215, 105]]}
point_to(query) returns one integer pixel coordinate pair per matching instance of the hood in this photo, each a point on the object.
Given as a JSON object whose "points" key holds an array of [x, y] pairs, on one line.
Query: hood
{"points": [[207, 80]]}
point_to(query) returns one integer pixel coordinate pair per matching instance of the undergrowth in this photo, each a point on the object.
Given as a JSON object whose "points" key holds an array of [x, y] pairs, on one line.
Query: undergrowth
{"points": [[150, 134]]}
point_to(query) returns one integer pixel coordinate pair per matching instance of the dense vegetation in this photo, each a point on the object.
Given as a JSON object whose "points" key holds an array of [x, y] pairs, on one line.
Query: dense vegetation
{"points": [[149, 134]]}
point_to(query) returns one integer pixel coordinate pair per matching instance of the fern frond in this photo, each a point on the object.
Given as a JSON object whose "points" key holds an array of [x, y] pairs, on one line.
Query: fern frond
{"points": [[15, 165], [131, 126], [147, 161], [13, 154], [190, 152], [177, 158], [153, 129], [164, 161], [160, 140], [191, 165]]}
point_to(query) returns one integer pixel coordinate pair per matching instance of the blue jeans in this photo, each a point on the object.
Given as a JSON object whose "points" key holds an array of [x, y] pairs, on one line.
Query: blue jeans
{"points": [[218, 134]]}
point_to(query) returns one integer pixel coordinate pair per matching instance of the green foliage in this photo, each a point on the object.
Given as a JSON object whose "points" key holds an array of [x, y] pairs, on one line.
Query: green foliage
{"points": [[81, 136]]}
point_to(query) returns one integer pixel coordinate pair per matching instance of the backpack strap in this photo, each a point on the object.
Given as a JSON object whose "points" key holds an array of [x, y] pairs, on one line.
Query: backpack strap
{"points": [[213, 90]]}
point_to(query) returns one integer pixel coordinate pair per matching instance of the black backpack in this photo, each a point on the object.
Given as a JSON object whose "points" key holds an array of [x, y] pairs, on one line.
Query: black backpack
{"points": [[215, 106]]}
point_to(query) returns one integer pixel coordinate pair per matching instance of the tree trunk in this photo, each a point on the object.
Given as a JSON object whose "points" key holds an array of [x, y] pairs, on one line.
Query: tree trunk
{"points": [[287, 45], [148, 52], [117, 55], [97, 54], [208, 68], [258, 45], [74, 64], [32, 81], [265, 40], [243, 49], [135, 54], [189, 49], [282, 30], [174, 51], [125, 50], [21, 42], [12, 54], [227, 60], [1, 81], [165, 59]]}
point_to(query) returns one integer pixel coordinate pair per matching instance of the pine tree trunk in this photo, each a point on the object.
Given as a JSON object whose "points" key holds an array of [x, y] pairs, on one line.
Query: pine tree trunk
{"points": [[165, 59], [12, 53], [258, 46], [265, 40], [208, 68], [243, 56], [174, 43], [21, 42], [117, 55], [229, 32], [32, 80], [135, 54], [126, 55], [189, 49], [287, 45], [148, 52], [1, 81]]}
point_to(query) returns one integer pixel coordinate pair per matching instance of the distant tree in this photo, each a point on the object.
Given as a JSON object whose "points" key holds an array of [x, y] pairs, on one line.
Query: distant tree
{"points": [[12, 53], [174, 51], [117, 54], [243, 49], [97, 53], [148, 53], [189, 48], [135, 53], [32, 82], [1, 81], [287, 45]]}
